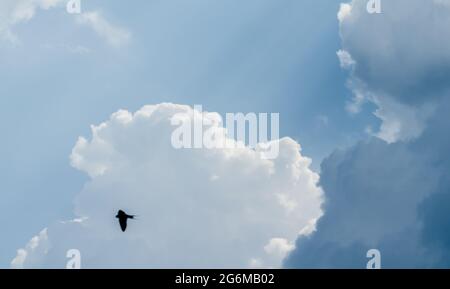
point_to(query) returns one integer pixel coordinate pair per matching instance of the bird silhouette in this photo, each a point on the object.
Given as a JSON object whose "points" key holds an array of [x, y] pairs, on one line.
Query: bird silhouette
{"points": [[123, 217]]}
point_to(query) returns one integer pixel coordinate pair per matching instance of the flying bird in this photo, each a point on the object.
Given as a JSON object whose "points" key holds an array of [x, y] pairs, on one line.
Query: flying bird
{"points": [[123, 217]]}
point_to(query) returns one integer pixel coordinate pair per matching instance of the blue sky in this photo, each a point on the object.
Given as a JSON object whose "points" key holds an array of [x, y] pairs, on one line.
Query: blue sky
{"points": [[229, 56]]}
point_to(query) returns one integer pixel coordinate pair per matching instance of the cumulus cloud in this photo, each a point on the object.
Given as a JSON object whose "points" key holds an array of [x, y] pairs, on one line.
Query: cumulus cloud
{"points": [[389, 64], [391, 197], [390, 194], [196, 207], [373, 191]]}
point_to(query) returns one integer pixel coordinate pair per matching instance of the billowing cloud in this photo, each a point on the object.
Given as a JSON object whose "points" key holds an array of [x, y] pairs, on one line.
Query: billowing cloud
{"points": [[390, 197], [400, 60], [391, 194], [372, 194], [195, 207]]}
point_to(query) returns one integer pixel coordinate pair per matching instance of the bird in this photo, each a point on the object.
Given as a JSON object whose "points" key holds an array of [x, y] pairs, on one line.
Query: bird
{"points": [[123, 217]]}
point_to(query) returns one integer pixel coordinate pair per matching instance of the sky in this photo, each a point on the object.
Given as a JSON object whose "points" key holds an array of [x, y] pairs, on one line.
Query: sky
{"points": [[87, 101]]}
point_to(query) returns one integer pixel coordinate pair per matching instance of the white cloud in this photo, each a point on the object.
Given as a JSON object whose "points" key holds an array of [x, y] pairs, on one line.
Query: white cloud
{"points": [[13, 12], [197, 207], [345, 59], [114, 35], [345, 11], [36, 243], [401, 122], [279, 247]]}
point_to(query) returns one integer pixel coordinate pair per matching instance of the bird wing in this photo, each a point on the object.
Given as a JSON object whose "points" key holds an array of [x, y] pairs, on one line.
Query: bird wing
{"points": [[123, 223]]}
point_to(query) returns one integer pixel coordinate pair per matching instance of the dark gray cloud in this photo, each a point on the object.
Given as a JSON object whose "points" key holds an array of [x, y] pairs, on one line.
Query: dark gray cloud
{"points": [[391, 197], [399, 60], [402, 52], [394, 197]]}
